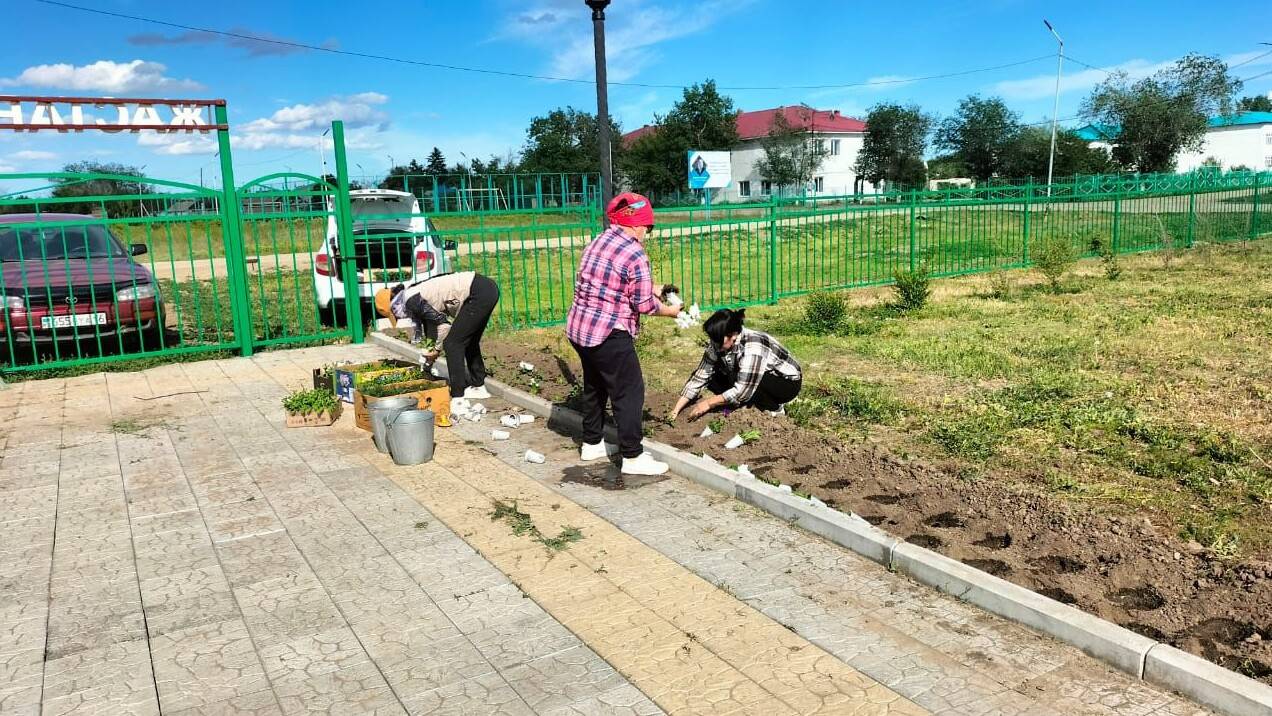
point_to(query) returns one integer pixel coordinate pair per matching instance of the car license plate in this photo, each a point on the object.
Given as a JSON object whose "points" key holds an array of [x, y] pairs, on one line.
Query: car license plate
{"points": [[80, 319]]}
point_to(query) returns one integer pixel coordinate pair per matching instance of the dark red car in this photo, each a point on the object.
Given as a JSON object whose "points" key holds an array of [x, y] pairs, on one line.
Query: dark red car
{"points": [[65, 277]]}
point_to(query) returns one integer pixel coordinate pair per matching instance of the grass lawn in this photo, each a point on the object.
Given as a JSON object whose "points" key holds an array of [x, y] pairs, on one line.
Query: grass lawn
{"points": [[1153, 391]]}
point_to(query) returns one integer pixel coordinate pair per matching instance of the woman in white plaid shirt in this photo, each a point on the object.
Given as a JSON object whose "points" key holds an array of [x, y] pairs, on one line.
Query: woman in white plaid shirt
{"points": [[742, 368]]}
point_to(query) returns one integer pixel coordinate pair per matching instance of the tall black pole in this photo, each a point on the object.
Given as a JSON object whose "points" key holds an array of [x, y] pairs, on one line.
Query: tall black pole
{"points": [[602, 99]]}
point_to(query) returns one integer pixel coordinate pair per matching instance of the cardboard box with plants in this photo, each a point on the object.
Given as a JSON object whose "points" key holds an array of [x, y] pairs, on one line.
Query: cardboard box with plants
{"points": [[432, 394], [311, 408], [342, 378]]}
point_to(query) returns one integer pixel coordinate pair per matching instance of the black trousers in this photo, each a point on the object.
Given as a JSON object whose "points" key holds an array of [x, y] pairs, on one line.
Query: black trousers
{"points": [[775, 389], [611, 374], [465, 365]]}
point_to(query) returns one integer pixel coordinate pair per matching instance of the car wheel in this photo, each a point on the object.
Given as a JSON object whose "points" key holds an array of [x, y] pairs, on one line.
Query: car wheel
{"points": [[331, 315]]}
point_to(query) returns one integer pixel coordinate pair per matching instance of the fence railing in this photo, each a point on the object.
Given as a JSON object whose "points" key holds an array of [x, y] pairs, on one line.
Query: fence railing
{"points": [[291, 259]]}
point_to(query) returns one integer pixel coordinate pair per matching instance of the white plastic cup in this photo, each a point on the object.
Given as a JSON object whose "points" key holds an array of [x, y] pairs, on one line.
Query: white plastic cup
{"points": [[535, 457], [527, 367], [525, 419], [706, 432], [734, 442], [509, 421], [500, 434]]}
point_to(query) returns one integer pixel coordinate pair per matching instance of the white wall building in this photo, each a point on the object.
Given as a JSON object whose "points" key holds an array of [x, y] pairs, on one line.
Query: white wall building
{"points": [[1243, 139], [842, 137]]}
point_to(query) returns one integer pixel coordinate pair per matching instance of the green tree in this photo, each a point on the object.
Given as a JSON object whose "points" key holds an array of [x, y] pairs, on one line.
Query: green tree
{"points": [[946, 166], [1028, 153], [566, 140], [1257, 103], [979, 134], [394, 179], [436, 162], [1161, 115], [703, 119], [892, 152], [130, 185], [792, 155]]}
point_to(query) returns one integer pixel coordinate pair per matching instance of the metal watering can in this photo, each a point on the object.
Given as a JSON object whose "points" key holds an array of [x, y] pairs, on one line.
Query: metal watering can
{"points": [[383, 412], [410, 437]]}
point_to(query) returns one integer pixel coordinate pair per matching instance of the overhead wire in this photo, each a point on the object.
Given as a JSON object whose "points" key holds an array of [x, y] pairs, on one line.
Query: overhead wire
{"points": [[518, 75]]}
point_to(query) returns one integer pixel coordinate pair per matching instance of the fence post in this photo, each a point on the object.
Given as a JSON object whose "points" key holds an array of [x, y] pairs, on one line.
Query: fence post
{"points": [[232, 234], [914, 200], [1024, 242], [772, 210], [1117, 219], [344, 218], [1254, 209], [1192, 207]]}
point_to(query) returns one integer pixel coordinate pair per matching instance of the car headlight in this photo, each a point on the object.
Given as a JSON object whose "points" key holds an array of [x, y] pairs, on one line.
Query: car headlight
{"points": [[136, 293], [12, 303]]}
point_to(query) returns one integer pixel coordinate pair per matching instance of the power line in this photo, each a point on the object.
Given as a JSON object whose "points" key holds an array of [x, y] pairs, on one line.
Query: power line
{"points": [[518, 75], [1164, 100]]}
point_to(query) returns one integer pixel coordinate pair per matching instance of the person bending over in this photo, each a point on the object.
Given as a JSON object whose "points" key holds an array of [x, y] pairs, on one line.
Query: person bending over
{"points": [[742, 368]]}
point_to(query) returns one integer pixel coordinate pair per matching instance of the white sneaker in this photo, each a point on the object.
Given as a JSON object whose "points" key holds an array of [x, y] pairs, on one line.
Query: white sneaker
{"points": [[460, 406], [780, 412], [644, 464], [599, 451], [476, 392]]}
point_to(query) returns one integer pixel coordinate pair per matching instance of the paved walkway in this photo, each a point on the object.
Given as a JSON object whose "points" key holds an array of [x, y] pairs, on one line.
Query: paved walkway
{"points": [[187, 554]]}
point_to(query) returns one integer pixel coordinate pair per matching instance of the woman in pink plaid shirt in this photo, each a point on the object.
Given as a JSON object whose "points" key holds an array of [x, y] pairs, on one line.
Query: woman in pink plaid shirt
{"points": [[613, 288]]}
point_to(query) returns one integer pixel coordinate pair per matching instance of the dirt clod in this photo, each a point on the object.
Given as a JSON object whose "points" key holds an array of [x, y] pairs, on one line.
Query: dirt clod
{"points": [[1137, 598]]}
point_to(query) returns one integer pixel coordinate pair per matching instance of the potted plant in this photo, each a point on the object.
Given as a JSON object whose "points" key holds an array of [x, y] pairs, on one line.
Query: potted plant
{"points": [[346, 376], [311, 408]]}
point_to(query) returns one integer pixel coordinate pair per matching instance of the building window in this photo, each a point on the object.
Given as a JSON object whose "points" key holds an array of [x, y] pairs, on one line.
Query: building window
{"points": [[1267, 162], [744, 188], [1268, 137], [766, 187], [834, 147], [819, 184]]}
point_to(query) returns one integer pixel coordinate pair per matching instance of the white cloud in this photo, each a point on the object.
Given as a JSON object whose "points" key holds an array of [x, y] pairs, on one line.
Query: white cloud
{"points": [[6, 169], [33, 155], [628, 44], [177, 143], [359, 110], [102, 76], [1081, 80]]}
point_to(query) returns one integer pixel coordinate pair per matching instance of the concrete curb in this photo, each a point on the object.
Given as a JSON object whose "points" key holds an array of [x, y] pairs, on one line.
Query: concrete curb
{"points": [[1144, 658]]}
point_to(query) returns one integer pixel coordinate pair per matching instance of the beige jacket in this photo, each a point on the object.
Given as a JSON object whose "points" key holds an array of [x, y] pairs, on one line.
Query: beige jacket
{"points": [[444, 293]]}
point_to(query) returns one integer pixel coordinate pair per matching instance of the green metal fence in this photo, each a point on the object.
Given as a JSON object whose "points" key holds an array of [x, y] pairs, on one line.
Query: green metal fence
{"points": [[758, 253], [498, 192], [175, 268]]}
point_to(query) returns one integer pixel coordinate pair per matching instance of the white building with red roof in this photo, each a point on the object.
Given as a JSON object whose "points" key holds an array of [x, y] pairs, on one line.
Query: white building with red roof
{"points": [[840, 135]]}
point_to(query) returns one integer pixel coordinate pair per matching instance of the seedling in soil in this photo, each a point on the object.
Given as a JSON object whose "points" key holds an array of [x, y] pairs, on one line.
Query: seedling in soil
{"points": [[749, 436], [716, 425]]}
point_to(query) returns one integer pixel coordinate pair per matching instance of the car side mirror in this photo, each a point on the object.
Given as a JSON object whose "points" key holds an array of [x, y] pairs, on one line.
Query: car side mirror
{"points": [[451, 245], [137, 249]]}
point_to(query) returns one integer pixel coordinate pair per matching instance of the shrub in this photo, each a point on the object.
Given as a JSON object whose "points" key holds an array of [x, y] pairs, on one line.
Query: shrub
{"points": [[1000, 285], [1103, 248], [912, 288], [309, 402], [824, 312], [1054, 258]]}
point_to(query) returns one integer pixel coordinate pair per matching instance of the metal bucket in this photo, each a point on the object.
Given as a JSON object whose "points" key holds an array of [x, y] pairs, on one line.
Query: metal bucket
{"points": [[410, 437], [382, 412]]}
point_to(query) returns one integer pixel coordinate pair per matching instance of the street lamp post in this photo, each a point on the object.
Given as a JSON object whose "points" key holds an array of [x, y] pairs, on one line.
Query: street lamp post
{"points": [[602, 98], [1055, 108]]}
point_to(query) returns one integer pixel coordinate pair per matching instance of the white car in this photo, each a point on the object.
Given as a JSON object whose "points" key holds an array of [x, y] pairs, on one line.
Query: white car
{"points": [[393, 243]]}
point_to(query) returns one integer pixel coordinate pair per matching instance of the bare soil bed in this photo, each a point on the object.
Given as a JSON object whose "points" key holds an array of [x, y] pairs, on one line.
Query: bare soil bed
{"points": [[1130, 569]]}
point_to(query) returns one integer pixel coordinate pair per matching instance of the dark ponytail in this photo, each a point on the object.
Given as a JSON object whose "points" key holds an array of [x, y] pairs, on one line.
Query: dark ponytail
{"points": [[723, 323]]}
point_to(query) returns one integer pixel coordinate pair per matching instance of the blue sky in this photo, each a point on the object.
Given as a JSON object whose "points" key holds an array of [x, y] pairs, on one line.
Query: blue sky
{"points": [[281, 99]]}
